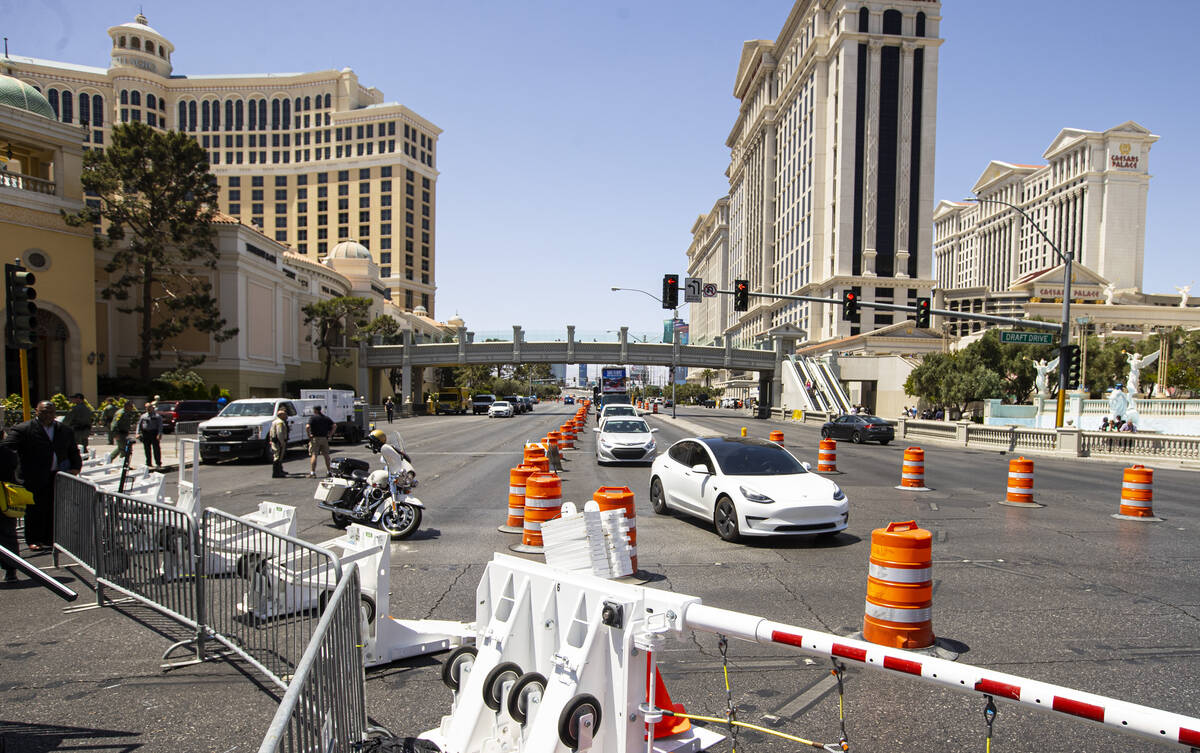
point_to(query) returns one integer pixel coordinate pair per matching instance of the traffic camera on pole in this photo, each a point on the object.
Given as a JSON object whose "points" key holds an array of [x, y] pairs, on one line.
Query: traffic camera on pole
{"points": [[924, 308], [849, 305], [1073, 365], [741, 295], [670, 295], [21, 311]]}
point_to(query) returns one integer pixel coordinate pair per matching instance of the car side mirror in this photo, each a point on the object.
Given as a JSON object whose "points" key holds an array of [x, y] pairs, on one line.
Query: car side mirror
{"points": [[596, 429], [700, 468], [807, 466], [653, 430]]}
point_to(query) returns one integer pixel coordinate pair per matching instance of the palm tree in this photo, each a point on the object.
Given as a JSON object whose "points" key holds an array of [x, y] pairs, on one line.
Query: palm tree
{"points": [[707, 375]]}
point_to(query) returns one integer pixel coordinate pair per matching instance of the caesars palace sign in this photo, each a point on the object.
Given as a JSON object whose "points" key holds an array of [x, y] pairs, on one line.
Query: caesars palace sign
{"points": [[1078, 292], [1124, 160]]}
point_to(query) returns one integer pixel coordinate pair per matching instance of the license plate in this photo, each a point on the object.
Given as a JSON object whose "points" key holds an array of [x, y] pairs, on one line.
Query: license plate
{"points": [[225, 448]]}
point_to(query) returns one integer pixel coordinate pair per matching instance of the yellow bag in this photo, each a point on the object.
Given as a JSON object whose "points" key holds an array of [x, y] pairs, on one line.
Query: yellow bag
{"points": [[14, 500]]}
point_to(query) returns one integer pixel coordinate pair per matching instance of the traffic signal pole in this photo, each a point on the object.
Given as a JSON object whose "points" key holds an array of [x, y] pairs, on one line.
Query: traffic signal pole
{"points": [[23, 358]]}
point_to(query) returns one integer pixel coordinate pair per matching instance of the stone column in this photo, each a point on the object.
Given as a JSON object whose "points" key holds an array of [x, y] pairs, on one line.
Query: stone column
{"points": [[871, 169], [406, 382], [904, 158], [768, 206], [570, 344]]}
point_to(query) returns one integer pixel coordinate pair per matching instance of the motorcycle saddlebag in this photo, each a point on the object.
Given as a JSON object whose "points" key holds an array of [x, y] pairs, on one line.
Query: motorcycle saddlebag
{"points": [[332, 489]]}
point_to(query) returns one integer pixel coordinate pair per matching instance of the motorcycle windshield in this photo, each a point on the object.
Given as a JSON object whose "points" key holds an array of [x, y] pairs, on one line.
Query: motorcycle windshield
{"points": [[397, 441]]}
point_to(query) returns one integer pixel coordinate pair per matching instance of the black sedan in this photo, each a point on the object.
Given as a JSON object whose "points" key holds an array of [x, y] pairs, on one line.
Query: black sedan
{"points": [[859, 428]]}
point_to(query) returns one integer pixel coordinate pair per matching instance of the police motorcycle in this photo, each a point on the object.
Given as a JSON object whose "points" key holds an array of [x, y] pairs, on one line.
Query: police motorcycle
{"points": [[382, 498]]}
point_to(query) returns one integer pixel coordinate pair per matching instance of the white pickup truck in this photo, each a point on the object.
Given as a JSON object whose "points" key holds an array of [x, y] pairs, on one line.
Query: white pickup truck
{"points": [[240, 431]]}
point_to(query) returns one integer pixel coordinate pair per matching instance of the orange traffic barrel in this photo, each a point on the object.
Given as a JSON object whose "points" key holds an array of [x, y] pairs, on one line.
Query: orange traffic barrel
{"points": [[776, 436], [899, 612], [554, 438], [912, 472], [1020, 484], [516, 498], [1137, 495], [568, 437], [620, 497], [535, 455], [827, 457], [656, 407], [543, 502]]}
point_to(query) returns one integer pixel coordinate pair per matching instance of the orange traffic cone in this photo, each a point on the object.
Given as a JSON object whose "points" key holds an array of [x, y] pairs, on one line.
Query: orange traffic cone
{"points": [[669, 725]]}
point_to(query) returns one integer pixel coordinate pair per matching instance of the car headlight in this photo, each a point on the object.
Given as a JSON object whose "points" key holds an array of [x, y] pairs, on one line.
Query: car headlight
{"points": [[754, 496], [650, 445], [838, 494]]}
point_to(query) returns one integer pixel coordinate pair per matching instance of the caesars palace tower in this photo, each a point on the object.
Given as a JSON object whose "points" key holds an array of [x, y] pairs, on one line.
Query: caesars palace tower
{"points": [[831, 172], [310, 159]]}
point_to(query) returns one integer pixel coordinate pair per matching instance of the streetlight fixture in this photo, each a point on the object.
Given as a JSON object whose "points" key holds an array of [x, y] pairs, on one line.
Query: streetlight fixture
{"points": [[1065, 337], [674, 338]]}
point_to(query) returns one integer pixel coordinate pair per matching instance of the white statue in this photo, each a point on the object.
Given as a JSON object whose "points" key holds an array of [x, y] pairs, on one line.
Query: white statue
{"points": [[1136, 363], [1183, 294], [1110, 291], [1118, 403], [1043, 367]]}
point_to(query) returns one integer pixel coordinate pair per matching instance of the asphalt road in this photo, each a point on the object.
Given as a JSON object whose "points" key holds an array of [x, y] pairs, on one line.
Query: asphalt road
{"points": [[1064, 594]]}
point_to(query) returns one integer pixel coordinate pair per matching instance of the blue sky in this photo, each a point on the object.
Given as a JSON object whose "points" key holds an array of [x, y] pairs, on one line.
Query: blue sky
{"points": [[582, 139]]}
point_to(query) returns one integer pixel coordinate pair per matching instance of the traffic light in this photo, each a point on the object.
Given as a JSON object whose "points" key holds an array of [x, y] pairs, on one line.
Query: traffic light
{"points": [[924, 306], [670, 296], [1073, 365], [21, 311], [849, 305], [741, 295]]}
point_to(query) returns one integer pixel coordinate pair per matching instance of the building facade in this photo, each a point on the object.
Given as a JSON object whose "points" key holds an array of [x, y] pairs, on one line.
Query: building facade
{"points": [[1088, 199], [310, 159], [831, 168]]}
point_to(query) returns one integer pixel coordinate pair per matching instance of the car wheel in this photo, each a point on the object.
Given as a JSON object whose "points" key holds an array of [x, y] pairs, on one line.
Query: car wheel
{"points": [[658, 500], [856, 438], [725, 520], [824, 433]]}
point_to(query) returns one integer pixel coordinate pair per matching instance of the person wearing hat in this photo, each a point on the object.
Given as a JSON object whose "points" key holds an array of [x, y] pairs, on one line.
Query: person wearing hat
{"points": [[79, 418], [277, 438]]}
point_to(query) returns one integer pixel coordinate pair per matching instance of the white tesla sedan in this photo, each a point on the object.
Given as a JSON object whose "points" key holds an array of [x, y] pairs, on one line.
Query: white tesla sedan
{"points": [[624, 439], [746, 487]]}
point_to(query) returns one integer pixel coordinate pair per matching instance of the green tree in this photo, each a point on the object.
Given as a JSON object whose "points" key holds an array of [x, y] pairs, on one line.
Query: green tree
{"points": [[954, 380], [335, 321], [156, 205], [477, 378], [385, 326], [707, 375], [1012, 362]]}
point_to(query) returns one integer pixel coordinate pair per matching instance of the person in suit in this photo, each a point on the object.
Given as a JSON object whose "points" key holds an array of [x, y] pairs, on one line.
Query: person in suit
{"points": [[8, 526], [45, 447]]}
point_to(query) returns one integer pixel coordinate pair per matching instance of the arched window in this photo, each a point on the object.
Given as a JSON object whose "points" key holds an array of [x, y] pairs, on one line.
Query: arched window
{"points": [[308, 103], [85, 108], [98, 111], [162, 52], [287, 113], [52, 95], [182, 115], [151, 102], [262, 114], [275, 114], [864, 20], [124, 96], [228, 114], [121, 42], [891, 21], [149, 47], [192, 115], [135, 43], [237, 110], [135, 98], [216, 115], [253, 107], [204, 115], [328, 99], [296, 106], [68, 107], [921, 24]]}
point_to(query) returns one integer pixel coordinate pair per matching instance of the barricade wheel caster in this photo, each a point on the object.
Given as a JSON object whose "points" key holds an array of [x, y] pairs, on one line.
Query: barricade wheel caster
{"points": [[572, 714], [526, 687], [493, 684], [463, 656]]}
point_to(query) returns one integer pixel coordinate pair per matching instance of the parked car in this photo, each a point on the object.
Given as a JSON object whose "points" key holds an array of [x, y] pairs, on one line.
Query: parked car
{"points": [[174, 411], [746, 487], [481, 402], [501, 408], [859, 428], [625, 439], [568, 399]]}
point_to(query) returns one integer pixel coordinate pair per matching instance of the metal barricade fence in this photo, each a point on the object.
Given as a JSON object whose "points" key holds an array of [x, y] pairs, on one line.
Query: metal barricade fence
{"points": [[75, 516], [262, 592], [324, 708]]}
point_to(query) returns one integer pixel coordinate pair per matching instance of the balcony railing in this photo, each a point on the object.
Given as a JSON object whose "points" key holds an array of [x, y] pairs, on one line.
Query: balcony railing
{"points": [[24, 182]]}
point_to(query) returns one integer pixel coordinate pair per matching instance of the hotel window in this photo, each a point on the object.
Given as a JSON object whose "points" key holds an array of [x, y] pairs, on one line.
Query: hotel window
{"points": [[328, 99], [256, 209], [363, 232], [343, 203], [343, 175], [385, 242], [386, 172], [364, 187], [235, 208], [302, 207], [85, 109], [98, 112], [281, 208], [385, 215], [385, 271], [364, 202], [256, 195], [68, 107], [281, 235], [343, 232], [275, 114], [385, 228], [322, 205], [322, 233], [281, 194], [385, 201], [281, 222], [343, 190], [235, 195], [321, 247], [302, 248], [343, 218], [364, 216], [135, 98], [364, 173]]}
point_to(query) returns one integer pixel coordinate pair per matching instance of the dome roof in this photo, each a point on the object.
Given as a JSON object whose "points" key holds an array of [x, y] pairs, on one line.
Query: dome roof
{"points": [[349, 250], [138, 24], [22, 96], [455, 321], [421, 311]]}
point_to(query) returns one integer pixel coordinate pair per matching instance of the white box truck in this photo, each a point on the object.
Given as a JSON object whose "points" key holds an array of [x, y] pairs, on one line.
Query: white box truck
{"points": [[240, 430]]}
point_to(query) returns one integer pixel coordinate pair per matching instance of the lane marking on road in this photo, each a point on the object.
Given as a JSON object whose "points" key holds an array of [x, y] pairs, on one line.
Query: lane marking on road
{"points": [[933, 506], [805, 700]]}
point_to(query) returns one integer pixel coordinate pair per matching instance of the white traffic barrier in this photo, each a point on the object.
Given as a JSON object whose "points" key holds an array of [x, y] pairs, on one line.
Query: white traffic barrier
{"points": [[554, 664], [591, 541]]}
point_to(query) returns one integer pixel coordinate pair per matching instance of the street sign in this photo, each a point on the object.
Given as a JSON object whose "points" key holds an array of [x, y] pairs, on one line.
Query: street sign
{"points": [[710, 290], [1027, 338], [692, 288]]}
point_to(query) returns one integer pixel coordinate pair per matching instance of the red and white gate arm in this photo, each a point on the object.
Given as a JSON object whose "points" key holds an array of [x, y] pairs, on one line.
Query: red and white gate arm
{"points": [[1144, 721]]}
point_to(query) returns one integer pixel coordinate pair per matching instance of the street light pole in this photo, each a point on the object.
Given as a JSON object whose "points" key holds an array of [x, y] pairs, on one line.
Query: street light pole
{"points": [[674, 342], [1065, 337]]}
